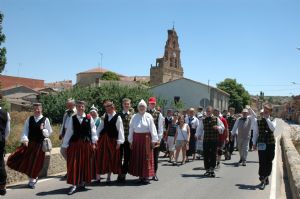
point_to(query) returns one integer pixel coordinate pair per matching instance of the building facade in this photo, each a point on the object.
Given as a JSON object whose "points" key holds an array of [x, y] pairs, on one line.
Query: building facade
{"points": [[191, 93], [167, 68]]}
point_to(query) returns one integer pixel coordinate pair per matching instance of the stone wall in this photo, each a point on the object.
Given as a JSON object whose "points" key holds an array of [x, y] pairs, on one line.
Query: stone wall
{"points": [[292, 162], [53, 164]]}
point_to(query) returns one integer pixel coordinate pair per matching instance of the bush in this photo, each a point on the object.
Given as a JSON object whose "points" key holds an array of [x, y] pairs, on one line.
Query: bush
{"points": [[54, 104]]}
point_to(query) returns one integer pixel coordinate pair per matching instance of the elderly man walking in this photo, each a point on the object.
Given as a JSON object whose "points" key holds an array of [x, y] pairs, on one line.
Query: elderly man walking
{"points": [[242, 128]]}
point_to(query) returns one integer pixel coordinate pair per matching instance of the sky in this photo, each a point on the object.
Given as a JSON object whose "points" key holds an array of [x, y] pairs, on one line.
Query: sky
{"points": [[252, 41]]}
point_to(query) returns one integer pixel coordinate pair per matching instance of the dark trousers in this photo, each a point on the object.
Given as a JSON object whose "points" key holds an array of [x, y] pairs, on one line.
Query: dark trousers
{"points": [[231, 144], [125, 153], [3, 174], [155, 157], [209, 153], [265, 160], [250, 142]]}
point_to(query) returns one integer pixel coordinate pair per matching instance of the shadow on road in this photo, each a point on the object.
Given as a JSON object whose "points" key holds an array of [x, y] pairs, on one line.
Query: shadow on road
{"points": [[128, 183], [198, 176], [62, 191], [247, 187], [234, 164], [199, 169]]}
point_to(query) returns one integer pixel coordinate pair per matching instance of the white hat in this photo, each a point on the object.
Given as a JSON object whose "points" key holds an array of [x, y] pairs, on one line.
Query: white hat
{"points": [[71, 100], [142, 103], [245, 110], [93, 108]]}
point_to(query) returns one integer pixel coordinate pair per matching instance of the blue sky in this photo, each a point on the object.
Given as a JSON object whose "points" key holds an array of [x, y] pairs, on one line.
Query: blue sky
{"points": [[253, 41]]}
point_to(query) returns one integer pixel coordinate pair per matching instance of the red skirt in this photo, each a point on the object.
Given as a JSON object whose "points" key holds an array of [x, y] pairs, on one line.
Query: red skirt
{"points": [[141, 159], [108, 157], [81, 163], [28, 160]]}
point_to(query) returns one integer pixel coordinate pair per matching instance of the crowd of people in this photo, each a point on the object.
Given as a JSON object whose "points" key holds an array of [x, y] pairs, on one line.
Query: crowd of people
{"points": [[129, 141]]}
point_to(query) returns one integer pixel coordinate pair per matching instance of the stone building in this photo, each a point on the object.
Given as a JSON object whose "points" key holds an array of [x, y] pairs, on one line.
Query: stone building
{"points": [[191, 93], [167, 68]]}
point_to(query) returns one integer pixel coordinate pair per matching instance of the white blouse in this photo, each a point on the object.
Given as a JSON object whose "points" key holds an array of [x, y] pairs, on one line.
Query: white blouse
{"points": [[47, 131], [70, 131], [142, 124]]}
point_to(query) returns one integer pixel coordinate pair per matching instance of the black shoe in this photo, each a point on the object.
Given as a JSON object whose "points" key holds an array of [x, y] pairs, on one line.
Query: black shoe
{"points": [[262, 185], [145, 181], [2, 192], [72, 190], [240, 161], [207, 174], [244, 163], [212, 174], [267, 181], [155, 178]]}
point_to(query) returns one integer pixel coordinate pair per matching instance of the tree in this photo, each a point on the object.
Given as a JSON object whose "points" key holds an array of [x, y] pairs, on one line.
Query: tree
{"points": [[54, 104], [239, 97], [3, 49], [110, 76]]}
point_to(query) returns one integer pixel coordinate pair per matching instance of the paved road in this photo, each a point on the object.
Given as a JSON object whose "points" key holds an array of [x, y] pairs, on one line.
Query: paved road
{"points": [[180, 182]]}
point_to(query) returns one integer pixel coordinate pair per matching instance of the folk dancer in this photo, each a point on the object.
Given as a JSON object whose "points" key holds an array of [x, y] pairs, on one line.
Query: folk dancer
{"points": [[29, 157]]}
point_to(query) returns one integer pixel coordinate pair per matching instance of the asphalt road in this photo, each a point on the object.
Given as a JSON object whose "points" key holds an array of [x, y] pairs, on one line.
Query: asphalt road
{"points": [[175, 182]]}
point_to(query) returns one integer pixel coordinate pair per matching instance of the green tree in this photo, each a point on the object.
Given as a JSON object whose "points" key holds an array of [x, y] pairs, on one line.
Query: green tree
{"points": [[54, 104], [239, 97], [2, 49], [110, 76]]}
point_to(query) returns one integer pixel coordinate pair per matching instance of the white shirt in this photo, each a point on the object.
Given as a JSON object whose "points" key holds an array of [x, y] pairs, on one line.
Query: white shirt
{"points": [[160, 130], [182, 134], [142, 123], [235, 126], [200, 129], [194, 122], [70, 131], [119, 125], [66, 120], [47, 131], [271, 124], [7, 128]]}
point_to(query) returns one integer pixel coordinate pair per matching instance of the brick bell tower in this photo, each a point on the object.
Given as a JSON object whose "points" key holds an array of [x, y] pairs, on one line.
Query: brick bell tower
{"points": [[168, 67]]}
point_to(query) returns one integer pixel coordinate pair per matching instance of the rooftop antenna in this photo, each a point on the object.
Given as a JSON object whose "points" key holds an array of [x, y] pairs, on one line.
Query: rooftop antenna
{"points": [[173, 25], [101, 57], [20, 64]]}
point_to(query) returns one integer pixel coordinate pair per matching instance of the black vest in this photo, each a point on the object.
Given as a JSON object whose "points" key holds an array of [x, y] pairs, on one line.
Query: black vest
{"points": [[3, 121], [110, 127], [81, 131], [168, 122], [35, 132]]}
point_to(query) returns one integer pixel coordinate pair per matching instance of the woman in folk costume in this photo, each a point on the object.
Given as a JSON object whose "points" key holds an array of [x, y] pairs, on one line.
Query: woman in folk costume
{"points": [[142, 138], [29, 158], [111, 136], [95, 116], [80, 140]]}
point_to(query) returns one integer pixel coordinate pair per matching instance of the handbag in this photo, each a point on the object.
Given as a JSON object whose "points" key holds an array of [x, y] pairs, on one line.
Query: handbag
{"points": [[47, 145]]}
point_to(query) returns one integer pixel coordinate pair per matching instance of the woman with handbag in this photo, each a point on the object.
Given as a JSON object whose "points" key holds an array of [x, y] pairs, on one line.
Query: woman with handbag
{"points": [[29, 157], [181, 139], [142, 138]]}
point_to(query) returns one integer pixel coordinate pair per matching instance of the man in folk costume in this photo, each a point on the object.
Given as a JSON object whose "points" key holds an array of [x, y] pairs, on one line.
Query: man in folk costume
{"points": [[95, 116], [209, 130], [80, 141], [242, 129], [264, 142], [29, 158], [223, 138], [142, 138], [193, 123], [167, 122], [4, 133], [126, 115], [159, 124], [111, 136], [69, 113], [231, 121]]}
